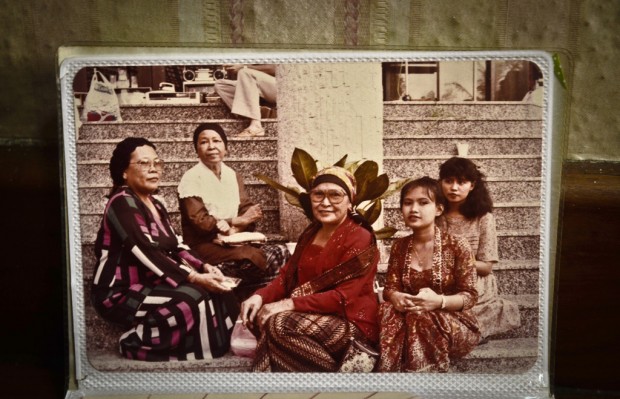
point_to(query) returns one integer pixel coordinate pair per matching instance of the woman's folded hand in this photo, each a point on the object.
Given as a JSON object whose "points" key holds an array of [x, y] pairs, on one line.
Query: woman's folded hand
{"points": [[249, 309], [401, 301], [273, 308], [223, 226], [210, 281], [427, 299], [207, 268], [251, 215]]}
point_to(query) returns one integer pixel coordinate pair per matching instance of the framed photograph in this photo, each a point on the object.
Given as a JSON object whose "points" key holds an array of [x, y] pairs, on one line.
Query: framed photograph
{"points": [[410, 113]]}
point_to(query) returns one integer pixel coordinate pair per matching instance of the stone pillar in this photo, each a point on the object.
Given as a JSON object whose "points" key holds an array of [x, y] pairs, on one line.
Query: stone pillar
{"points": [[328, 110]]}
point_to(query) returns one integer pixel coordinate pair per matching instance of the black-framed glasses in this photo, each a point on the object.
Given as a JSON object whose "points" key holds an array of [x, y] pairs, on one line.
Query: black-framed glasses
{"points": [[333, 196], [146, 164]]}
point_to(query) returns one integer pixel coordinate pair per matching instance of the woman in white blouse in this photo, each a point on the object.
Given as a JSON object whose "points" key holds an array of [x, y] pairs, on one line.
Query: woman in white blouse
{"points": [[213, 202]]}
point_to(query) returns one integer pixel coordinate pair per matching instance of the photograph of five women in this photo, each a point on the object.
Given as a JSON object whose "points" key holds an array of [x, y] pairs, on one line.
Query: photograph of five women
{"points": [[188, 263]]}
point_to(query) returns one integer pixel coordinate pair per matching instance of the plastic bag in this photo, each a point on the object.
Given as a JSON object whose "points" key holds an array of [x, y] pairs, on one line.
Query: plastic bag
{"points": [[242, 341], [101, 103]]}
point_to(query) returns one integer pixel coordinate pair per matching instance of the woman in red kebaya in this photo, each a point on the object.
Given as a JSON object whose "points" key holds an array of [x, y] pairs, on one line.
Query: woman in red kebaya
{"points": [[302, 315], [426, 319]]}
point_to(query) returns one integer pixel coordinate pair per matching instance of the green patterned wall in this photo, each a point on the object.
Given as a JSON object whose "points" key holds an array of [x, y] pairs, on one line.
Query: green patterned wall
{"points": [[583, 32]]}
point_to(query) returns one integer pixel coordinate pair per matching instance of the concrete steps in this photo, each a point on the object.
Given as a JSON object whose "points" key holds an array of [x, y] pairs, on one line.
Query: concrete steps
{"points": [[497, 166], [181, 148], [398, 146], [509, 356], [109, 361], [156, 129], [96, 173], [518, 244], [487, 110], [405, 127], [213, 109], [528, 306], [517, 277], [505, 356]]}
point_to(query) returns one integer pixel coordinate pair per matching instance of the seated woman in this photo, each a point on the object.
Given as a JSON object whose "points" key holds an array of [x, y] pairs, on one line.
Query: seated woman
{"points": [[468, 215], [324, 294], [213, 201], [243, 90], [173, 304], [430, 289]]}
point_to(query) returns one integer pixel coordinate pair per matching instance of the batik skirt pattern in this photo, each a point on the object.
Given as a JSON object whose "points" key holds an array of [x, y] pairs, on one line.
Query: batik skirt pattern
{"points": [[296, 341]]}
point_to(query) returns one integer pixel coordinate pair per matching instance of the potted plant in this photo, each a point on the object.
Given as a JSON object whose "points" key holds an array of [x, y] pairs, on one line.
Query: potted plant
{"points": [[372, 188]]}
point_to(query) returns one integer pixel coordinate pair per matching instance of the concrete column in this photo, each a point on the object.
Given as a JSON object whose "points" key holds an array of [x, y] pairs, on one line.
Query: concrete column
{"points": [[328, 110]]}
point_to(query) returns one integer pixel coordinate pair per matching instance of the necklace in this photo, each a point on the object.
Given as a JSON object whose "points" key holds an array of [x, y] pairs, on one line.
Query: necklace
{"points": [[436, 263], [418, 258]]}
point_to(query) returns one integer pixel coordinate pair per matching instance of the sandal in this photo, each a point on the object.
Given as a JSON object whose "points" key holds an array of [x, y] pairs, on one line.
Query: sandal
{"points": [[252, 132]]}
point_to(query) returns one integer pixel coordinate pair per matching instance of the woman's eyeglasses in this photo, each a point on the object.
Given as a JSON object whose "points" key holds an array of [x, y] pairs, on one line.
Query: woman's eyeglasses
{"points": [[146, 164], [333, 196]]}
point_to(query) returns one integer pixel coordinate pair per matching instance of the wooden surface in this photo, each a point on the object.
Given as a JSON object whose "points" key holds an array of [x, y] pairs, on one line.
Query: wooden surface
{"points": [[587, 345]]}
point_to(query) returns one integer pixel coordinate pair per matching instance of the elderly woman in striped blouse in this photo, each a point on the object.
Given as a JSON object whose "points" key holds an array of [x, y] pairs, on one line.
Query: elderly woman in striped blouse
{"points": [[173, 305]]}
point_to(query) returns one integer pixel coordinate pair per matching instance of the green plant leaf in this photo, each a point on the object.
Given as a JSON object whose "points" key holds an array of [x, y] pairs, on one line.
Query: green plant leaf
{"points": [[352, 166], [373, 212], [377, 186], [342, 161], [292, 199], [288, 190], [306, 205], [367, 170], [304, 168], [364, 174], [557, 70], [394, 187], [385, 232]]}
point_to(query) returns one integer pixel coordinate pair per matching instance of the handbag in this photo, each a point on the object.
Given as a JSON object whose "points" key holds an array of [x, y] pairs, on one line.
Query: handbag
{"points": [[101, 103], [242, 341], [359, 356]]}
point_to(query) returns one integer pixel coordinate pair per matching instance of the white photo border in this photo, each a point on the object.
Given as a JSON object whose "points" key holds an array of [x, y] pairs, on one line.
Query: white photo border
{"points": [[533, 383]]}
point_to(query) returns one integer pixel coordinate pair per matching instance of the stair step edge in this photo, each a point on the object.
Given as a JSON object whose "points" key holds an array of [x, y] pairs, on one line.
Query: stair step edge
{"points": [[505, 348]]}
